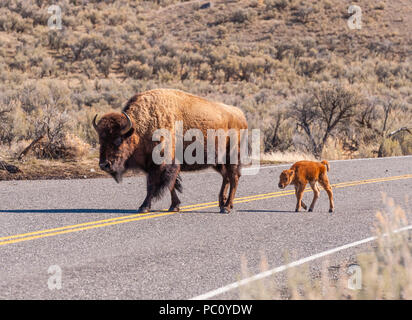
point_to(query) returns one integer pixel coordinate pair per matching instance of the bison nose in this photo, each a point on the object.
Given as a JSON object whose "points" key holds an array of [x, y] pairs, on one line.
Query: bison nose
{"points": [[280, 185], [105, 166]]}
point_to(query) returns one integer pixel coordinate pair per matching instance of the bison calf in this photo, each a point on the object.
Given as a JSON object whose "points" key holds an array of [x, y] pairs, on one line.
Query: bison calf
{"points": [[303, 172]]}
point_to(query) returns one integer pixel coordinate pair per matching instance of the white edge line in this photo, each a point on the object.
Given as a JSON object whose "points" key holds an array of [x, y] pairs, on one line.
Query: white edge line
{"points": [[360, 159], [296, 263]]}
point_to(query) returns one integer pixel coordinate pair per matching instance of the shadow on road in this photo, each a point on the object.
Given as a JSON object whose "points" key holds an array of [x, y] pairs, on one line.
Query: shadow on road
{"points": [[280, 211], [125, 211], [129, 211]]}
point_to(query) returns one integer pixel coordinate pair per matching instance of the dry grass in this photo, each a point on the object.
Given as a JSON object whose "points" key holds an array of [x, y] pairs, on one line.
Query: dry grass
{"points": [[386, 269], [37, 169], [286, 157]]}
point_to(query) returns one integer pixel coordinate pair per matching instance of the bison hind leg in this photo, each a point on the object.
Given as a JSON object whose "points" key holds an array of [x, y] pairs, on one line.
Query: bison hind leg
{"points": [[177, 186]]}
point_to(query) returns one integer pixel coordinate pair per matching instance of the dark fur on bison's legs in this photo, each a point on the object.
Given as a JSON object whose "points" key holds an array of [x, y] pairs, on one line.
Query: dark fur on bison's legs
{"points": [[159, 178], [174, 207], [147, 203]]}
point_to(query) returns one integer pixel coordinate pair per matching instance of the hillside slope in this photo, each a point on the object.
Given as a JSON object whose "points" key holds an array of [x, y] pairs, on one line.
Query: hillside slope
{"points": [[265, 56]]}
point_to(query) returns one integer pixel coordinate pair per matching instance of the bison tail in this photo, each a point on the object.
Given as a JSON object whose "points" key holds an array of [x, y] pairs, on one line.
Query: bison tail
{"points": [[178, 184], [326, 164]]}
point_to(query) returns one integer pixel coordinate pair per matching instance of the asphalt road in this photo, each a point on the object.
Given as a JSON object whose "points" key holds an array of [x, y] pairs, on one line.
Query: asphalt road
{"points": [[90, 229]]}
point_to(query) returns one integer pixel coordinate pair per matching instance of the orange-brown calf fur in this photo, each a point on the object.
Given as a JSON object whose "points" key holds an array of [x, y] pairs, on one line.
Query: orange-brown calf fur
{"points": [[303, 172]]}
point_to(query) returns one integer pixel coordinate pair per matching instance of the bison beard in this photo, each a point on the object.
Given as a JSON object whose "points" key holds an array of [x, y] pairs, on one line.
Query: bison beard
{"points": [[117, 176], [126, 141]]}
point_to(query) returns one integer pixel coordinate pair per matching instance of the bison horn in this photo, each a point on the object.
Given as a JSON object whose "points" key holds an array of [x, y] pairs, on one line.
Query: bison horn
{"points": [[94, 122], [129, 124]]}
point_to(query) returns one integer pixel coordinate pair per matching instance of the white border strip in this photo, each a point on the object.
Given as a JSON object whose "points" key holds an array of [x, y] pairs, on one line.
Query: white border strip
{"points": [[296, 263]]}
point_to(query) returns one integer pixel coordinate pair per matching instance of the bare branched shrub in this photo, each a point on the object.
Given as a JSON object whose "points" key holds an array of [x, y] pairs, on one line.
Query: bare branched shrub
{"points": [[320, 114], [88, 67], [278, 136], [309, 67], [304, 14], [104, 64], [51, 124], [380, 125]]}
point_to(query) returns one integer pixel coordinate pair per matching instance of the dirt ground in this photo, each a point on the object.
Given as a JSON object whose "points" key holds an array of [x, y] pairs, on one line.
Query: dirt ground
{"points": [[35, 169]]}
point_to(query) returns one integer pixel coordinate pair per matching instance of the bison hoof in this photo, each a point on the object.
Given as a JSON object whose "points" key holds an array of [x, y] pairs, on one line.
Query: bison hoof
{"points": [[330, 210], [296, 210], [174, 209], [224, 210], [310, 210], [143, 210]]}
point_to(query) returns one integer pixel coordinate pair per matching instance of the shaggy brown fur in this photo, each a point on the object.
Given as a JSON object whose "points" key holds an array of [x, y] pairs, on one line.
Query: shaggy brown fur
{"points": [[160, 109], [303, 172]]}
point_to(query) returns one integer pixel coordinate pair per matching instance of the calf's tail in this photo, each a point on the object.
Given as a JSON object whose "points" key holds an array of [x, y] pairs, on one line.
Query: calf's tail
{"points": [[326, 164]]}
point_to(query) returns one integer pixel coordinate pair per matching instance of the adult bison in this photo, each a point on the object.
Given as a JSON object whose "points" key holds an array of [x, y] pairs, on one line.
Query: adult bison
{"points": [[127, 141]]}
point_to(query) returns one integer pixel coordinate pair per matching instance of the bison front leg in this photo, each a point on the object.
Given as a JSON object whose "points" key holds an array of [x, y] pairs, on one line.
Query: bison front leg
{"points": [[159, 179], [147, 203], [152, 185]]}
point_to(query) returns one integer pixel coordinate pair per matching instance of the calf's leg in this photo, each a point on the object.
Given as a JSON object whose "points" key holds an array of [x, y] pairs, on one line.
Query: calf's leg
{"points": [[315, 195], [324, 181], [301, 202], [299, 196]]}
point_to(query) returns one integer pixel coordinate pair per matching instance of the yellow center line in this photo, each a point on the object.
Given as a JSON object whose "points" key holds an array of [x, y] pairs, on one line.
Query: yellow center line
{"points": [[136, 217], [184, 207], [337, 185]]}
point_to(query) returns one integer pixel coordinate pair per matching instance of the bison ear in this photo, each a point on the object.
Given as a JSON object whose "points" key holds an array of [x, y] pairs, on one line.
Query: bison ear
{"points": [[128, 133]]}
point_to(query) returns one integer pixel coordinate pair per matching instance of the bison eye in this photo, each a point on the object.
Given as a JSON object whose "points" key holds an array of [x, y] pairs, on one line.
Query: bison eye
{"points": [[118, 141]]}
